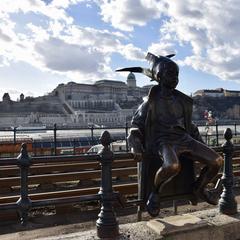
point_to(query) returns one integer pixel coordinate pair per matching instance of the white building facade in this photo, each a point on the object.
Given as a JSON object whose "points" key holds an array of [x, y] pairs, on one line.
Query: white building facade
{"points": [[107, 103]]}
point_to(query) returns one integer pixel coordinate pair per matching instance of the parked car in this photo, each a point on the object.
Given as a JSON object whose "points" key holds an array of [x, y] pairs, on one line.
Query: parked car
{"points": [[118, 146]]}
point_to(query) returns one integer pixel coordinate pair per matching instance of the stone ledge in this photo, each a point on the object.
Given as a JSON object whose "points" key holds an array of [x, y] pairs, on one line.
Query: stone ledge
{"points": [[201, 225]]}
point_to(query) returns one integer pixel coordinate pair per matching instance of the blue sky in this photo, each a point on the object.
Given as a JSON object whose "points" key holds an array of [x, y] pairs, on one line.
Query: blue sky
{"points": [[45, 43]]}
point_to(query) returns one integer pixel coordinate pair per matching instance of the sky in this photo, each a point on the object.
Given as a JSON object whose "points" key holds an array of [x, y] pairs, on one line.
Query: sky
{"points": [[47, 42]]}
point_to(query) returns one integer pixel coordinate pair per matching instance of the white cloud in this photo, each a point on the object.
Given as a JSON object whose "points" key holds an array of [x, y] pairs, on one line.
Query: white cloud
{"points": [[61, 56], [56, 45], [211, 29], [162, 49], [131, 52], [52, 11], [5, 37], [125, 14]]}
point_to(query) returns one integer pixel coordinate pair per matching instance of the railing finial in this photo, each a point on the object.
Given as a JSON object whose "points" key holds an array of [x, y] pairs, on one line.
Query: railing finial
{"points": [[228, 134], [105, 138], [23, 158]]}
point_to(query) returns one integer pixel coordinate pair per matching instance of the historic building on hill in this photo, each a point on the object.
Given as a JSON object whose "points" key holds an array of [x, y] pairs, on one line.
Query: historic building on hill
{"points": [[224, 104], [219, 92], [106, 102]]}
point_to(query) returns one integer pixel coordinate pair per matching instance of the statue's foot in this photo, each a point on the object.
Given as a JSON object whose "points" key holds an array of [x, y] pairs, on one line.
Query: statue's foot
{"points": [[209, 196], [153, 204], [194, 200]]}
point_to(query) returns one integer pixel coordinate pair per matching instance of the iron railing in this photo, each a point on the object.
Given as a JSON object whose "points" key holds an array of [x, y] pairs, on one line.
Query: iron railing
{"points": [[107, 225], [59, 137]]}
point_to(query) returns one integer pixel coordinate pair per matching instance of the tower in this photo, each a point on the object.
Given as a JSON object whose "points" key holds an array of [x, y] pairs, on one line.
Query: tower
{"points": [[131, 80], [21, 97]]}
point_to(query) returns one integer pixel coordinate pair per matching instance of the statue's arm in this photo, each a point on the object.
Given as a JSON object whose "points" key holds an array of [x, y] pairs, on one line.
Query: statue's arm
{"points": [[138, 120], [136, 136], [194, 132]]}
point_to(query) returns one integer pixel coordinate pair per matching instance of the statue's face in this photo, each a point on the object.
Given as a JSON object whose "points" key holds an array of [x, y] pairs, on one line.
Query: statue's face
{"points": [[169, 75]]}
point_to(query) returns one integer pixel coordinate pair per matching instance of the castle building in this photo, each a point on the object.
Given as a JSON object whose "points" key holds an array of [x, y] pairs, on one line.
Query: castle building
{"points": [[218, 92], [105, 103]]}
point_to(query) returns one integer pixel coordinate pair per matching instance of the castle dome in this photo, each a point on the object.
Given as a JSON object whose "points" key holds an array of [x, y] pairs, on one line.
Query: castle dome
{"points": [[131, 76], [131, 80]]}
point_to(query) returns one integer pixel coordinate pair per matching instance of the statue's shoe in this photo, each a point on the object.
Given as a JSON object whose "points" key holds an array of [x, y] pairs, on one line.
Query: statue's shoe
{"points": [[153, 204], [194, 200], [209, 196]]}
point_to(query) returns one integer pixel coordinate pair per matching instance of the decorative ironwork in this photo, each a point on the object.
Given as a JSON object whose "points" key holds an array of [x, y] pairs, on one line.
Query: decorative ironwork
{"points": [[24, 203], [227, 202], [107, 225]]}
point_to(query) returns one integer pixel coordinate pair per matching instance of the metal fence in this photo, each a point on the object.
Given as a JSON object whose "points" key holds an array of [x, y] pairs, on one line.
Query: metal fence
{"points": [[57, 137], [107, 225]]}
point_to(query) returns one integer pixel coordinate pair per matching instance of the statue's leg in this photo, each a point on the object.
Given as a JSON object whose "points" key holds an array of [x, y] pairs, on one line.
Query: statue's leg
{"points": [[170, 168], [213, 162]]}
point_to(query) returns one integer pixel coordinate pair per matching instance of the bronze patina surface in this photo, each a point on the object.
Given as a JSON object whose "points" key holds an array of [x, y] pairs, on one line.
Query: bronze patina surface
{"points": [[162, 128]]}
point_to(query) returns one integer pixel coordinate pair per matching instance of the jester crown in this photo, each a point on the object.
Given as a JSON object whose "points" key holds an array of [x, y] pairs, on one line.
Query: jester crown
{"points": [[157, 64]]}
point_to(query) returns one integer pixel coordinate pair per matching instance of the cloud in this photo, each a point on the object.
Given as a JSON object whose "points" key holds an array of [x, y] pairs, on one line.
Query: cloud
{"points": [[125, 14], [211, 29], [52, 10], [55, 44], [131, 52], [61, 56], [162, 49], [102, 39], [85, 60], [5, 37]]}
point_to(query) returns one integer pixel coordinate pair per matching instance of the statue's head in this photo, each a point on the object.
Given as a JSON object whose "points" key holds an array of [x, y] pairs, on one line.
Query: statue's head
{"points": [[164, 70]]}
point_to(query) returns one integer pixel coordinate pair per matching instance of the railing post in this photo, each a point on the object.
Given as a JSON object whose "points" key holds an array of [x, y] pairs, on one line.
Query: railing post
{"points": [[235, 129], [126, 135], [14, 135], [24, 203], [74, 146], [92, 128], [217, 142], [206, 138], [107, 225], [55, 138], [227, 202]]}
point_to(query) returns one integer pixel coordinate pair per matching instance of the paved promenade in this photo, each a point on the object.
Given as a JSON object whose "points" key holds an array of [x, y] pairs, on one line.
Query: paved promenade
{"points": [[200, 225]]}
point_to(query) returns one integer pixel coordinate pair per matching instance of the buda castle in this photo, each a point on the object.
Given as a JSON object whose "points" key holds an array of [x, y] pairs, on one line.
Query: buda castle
{"points": [[105, 103]]}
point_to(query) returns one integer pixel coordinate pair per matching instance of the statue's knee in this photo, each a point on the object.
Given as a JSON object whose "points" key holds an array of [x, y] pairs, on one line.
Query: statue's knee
{"points": [[173, 169], [217, 163]]}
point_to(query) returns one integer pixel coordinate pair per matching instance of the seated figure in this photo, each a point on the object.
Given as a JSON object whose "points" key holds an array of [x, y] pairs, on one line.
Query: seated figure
{"points": [[163, 126]]}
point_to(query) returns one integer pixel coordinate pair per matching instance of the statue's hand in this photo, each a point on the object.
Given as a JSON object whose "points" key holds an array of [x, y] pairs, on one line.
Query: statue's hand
{"points": [[135, 142], [137, 157]]}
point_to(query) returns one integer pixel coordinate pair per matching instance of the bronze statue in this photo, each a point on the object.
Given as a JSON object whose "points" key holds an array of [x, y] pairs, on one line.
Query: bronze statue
{"points": [[162, 126]]}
